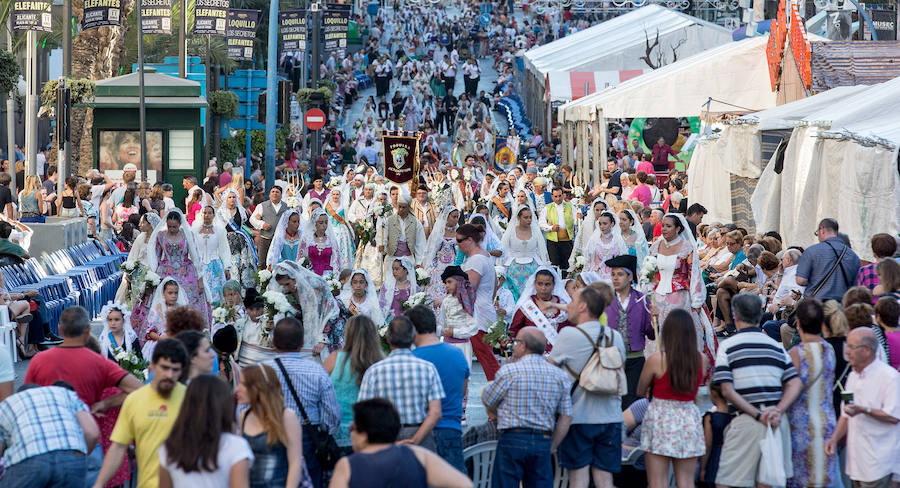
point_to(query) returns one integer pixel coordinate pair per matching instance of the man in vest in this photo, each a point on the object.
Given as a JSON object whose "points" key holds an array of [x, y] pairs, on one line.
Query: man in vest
{"points": [[630, 315], [402, 235], [558, 223], [265, 218], [423, 210]]}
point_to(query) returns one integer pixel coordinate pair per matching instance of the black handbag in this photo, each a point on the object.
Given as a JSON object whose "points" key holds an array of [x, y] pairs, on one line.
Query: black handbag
{"points": [[327, 450]]}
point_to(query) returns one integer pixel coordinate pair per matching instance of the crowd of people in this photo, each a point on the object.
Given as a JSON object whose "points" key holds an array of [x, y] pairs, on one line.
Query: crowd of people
{"points": [[324, 331]]}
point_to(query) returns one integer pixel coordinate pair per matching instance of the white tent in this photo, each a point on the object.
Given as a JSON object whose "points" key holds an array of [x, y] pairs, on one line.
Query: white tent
{"points": [[570, 85], [734, 75], [840, 162], [737, 149], [619, 43]]}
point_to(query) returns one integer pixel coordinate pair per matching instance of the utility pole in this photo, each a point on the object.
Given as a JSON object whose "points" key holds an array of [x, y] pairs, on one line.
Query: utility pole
{"points": [[316, 46], [66, 160], [31, 103], [271, 93], [11, 119], [182, 42], [62, 122], [142, 109]]}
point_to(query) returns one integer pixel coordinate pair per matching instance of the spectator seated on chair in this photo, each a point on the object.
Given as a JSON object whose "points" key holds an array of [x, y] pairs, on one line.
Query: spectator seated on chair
{"points": [[10, 251]]}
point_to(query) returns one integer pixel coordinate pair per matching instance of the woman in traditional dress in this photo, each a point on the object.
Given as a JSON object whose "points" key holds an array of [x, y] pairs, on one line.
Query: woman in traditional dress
{"points": [[586, 230], [132, 283], [543, 309], [360, 297], [633, 235], [315, 307], [525, 249], [677, 282], [398, 287], [337, 219], [243, 250], [215, 256], [286, 240], [606, 243], [175, 255], [168, 295], [491, 243], [368, 257], [319, 245], [441, 251]]}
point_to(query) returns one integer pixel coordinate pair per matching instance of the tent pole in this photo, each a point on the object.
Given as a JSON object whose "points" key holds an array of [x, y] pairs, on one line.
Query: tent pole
{"points": [[601, 132], [599, 157]]}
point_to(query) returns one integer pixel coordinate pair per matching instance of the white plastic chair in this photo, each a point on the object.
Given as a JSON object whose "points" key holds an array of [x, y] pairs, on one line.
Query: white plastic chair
{"points": [[8, 334], [482, 456]]}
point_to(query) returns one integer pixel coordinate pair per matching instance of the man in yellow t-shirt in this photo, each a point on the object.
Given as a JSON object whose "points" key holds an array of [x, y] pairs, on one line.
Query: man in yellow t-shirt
{"points": [[147, 416]]}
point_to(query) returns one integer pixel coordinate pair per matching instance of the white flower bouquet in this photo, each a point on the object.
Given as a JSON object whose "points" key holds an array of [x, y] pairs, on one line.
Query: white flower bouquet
{"points": [[335, 286], [422, 277], [497, 336], [292, 202], [262, 278], [548, 171], [129, 361], [454, 174], [224, 315], [580, 262], [129, 266], [417, 299], [467, 174], [335, 182], [151, 281], [276, 303], [384, 209], [578, 192], [648, 271]]}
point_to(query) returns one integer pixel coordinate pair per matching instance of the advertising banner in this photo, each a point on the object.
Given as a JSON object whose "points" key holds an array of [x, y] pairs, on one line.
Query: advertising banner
{"points": [[335, 26], [100, 13], [293, 30], [210, 17], [240, 33], [157, 16], [32, 15]]}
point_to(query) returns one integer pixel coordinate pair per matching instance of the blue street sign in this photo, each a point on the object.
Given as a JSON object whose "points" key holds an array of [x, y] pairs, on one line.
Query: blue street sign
{"points": [[485, 18]]}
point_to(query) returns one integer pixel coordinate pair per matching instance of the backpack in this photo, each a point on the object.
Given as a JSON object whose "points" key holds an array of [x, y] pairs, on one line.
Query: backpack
{"points": [[604, 372]]}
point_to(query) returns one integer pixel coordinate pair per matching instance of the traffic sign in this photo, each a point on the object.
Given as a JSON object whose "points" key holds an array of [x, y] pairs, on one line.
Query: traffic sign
{"points": [[314, 119], [485, 18]]}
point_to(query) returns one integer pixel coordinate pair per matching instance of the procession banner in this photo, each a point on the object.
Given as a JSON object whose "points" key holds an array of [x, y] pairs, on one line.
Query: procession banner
{"points": [[504, 156], [32, 15], [240, 33], [101, 13], [401, 151], [293, 30], [210, 17], [156, 16], [335, 26]]}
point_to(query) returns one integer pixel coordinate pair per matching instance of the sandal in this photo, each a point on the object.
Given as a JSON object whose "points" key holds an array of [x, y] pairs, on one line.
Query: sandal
{"points": [[24, 318], [20, 348]]}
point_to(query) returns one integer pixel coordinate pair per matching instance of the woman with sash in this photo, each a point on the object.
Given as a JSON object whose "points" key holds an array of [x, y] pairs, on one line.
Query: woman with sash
{"points": [[334, 208], [539, 305], [244, 254]]}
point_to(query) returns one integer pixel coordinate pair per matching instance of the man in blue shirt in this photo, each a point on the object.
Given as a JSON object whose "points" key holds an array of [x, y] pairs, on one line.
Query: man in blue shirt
{"points": [[828, 269], [453, 370]]}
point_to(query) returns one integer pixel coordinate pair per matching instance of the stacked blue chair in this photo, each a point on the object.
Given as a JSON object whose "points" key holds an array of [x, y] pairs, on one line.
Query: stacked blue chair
{"points": [[93, 268], [363, 79], [57, 291]]}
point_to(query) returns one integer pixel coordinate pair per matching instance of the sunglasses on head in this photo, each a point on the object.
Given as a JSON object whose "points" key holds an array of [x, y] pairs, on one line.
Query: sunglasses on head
{"points": [[458, 240]]}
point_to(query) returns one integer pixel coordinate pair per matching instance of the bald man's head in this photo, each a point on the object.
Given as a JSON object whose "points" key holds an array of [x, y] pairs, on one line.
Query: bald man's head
{"points": [[534, 340], [861, 349]]}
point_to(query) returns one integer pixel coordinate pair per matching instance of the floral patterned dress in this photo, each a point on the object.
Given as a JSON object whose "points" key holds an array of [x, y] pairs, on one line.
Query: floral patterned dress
{"points": [[175, 261], [445, 256], [812, 417]]}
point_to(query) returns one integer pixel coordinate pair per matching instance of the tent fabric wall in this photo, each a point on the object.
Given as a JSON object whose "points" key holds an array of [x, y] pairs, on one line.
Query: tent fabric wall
{"points": [[619, 43], [735, 73], [709, 183]]}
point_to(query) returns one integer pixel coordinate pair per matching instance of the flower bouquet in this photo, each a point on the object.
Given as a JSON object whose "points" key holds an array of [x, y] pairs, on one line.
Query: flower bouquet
{"points": [[365, 232], [422, 277], [151, 281], [454, 174], [467, 174], [578, 192], [498, 336], [647, 273], [580, 262], [262, 279], [419, 298], [384, 209], [276, 303], [548, 171], [224, 315], [292, 202], [129, 266], [129, 361], [335, 286], [382, 336]]}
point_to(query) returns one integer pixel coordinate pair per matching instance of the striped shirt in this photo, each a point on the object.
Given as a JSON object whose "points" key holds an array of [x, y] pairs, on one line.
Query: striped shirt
{"points": [[529, 393], [407, 381], [313, 386], [755, 364]]}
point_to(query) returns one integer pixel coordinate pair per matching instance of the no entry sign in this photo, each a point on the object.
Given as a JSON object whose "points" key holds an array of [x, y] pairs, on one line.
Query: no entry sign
{"points": [[314, 119]]}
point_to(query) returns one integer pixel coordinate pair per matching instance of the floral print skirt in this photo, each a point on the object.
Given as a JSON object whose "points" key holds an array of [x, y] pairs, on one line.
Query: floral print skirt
{"points": [[674, 429]]}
